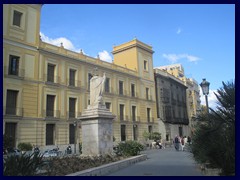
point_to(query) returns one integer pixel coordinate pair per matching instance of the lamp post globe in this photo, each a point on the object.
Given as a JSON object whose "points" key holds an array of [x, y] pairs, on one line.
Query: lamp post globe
{"points": [[205, 89]]}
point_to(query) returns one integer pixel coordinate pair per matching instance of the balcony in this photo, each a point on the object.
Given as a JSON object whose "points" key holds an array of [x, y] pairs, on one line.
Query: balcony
{"points": [[51, 114], [13, 111]]}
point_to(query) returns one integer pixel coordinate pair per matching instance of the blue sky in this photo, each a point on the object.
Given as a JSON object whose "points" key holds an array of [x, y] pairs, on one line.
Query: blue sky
{"points": [[200, 37]]}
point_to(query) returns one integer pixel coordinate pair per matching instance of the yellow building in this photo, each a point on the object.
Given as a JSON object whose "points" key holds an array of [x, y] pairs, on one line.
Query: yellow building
{"points": [[47, 87]]}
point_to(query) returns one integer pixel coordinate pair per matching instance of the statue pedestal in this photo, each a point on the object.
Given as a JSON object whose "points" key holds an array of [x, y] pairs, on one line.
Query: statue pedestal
{"points": [[97, 136]]}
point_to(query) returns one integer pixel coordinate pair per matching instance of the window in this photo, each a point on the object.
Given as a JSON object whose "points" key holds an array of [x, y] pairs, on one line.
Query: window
{"points": [[121, 87], [133, 113], [147, 93], [107, 85], [148, 114], [145, 65], [50, 105], [180, 130], [89, 78], [121, 111], [150, 129], [50, 72], [135, 132], [50, 134], [123, 132], [72, 73], [72, 134], [133, 90], [11, 103], [10, 131], [108, 105], [17, 18], [72, 107], [13, 65]]}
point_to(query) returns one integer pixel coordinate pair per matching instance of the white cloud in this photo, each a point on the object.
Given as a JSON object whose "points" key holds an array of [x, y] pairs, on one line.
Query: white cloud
{"points": [[212, 100], [67, 44], [179, 31], [173, 58], [192, 58], [105, 56]]}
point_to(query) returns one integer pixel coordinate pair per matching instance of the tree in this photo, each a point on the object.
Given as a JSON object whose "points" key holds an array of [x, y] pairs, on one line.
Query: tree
{"points": [[214, 138]]}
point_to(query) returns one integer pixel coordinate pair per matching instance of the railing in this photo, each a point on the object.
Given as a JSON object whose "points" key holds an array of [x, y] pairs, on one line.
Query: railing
{"points": [[109, 90], [51, 79], [122, 93], [134, 95], [13, 111], [51, 114], [164, 99], [73, 115], [150, 119], [73, 83], [135, 118], [149, 97], [123, 118]]}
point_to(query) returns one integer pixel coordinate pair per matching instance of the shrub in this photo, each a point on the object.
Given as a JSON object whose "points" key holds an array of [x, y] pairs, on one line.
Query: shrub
{"points": [[214, 137], [128, 148], [152, 135], [25, 146], [23, 165]]}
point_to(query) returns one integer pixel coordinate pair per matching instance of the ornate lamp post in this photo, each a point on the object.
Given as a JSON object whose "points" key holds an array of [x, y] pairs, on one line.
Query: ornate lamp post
{"points": [[205, 89]]}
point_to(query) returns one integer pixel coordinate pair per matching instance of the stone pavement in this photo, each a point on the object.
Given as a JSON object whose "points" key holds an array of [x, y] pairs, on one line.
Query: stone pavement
{"points": [[162, 162]]}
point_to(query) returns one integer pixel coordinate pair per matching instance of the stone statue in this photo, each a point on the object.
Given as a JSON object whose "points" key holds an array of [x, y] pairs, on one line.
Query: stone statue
{"points": [[97, 85]]}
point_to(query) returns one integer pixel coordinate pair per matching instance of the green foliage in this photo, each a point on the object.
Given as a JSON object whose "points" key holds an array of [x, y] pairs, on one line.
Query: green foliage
{"points": [[155, 136], [23, 165], [25, 146], [146, 135], [152, 136], [128, 148], [214, 138], [7, 141]]}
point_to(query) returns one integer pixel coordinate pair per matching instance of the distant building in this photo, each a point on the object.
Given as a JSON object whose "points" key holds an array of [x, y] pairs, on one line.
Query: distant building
{"points": [[171, 105], [192, 92]]}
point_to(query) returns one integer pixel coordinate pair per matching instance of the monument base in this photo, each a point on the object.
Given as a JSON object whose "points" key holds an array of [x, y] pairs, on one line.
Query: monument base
{"points": [[97, 136]]}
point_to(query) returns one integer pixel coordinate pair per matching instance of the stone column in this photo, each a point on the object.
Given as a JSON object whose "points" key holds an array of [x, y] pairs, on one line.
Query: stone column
{"points": [[97, 136]]}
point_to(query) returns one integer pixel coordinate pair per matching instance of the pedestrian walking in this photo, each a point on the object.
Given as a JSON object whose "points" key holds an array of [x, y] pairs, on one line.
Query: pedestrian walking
{"points": [[176, 142]]}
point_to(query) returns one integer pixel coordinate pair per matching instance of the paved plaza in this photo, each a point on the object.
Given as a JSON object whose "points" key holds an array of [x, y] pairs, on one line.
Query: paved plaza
{"points": [[162, 162]]}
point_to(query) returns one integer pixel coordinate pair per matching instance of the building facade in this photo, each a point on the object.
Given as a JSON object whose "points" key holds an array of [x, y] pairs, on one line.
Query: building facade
{"points": [[192, 92], [171, 105], [46, 87]]}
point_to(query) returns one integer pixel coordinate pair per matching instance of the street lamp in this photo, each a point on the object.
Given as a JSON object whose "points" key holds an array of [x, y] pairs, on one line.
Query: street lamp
{"points": [[75, 125], [205, 89]]}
